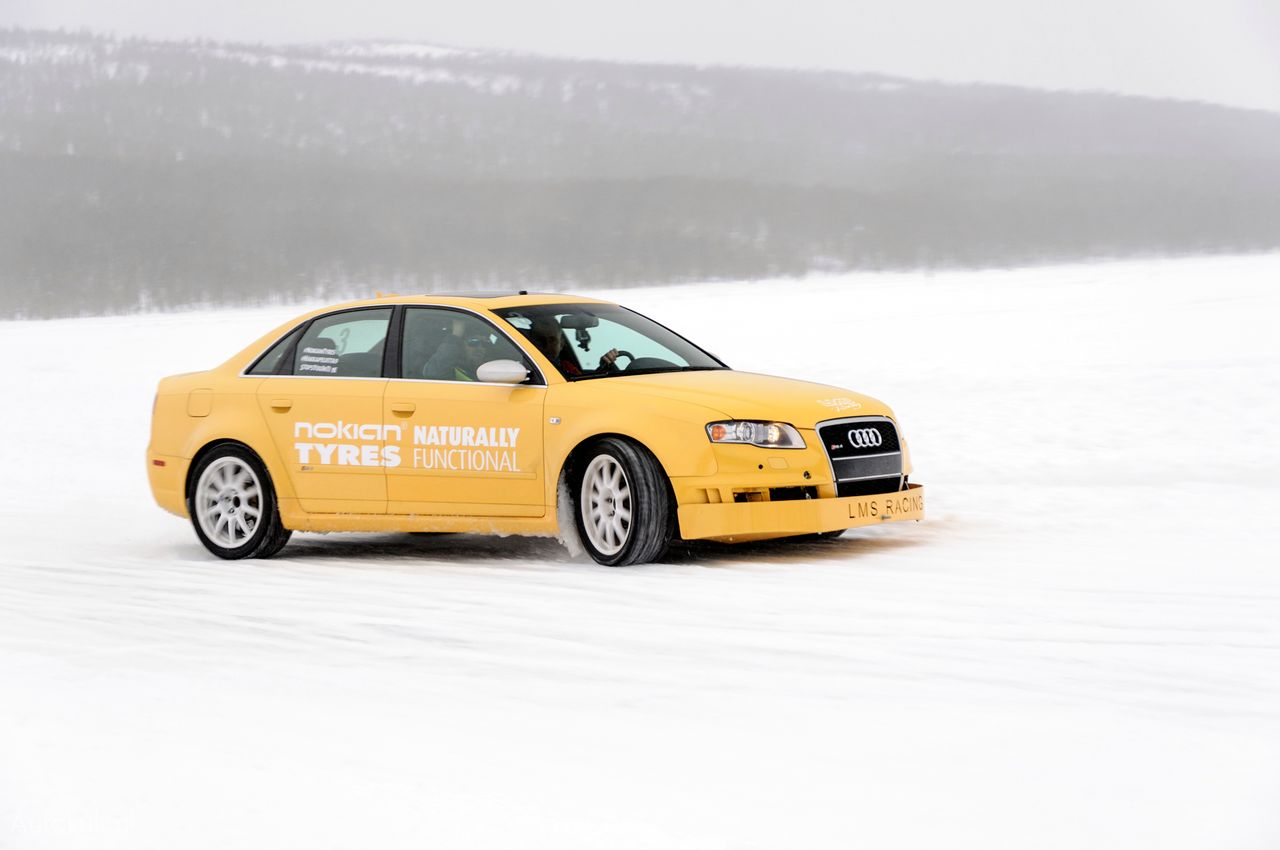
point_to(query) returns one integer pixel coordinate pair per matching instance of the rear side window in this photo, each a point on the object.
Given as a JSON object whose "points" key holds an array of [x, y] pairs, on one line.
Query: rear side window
{"points": [[269, 363], [344, 345]]}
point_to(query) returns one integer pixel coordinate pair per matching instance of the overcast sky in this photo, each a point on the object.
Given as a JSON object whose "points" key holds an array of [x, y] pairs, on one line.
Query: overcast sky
{"points": [[1220, 50]]}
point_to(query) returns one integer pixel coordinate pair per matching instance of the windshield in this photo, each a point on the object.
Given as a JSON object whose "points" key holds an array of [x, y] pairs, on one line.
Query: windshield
{"points": [[603, 340]]}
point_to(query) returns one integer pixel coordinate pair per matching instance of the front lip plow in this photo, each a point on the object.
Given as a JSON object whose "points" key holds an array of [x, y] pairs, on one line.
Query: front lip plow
{"points": [[740, 521]]}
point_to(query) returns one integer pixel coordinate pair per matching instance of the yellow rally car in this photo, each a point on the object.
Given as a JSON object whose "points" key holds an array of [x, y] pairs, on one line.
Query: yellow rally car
{"points": [[514, 414]]}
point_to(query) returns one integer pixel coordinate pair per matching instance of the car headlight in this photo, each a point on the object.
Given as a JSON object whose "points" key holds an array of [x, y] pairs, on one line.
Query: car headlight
{"points": [[768, 435]]}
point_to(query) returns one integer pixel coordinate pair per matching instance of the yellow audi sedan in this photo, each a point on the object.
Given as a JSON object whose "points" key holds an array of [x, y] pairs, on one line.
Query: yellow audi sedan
{"points": [[514, 414]]}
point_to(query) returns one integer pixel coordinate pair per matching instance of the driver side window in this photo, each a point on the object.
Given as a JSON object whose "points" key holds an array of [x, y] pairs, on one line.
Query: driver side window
{"points": [[449, 345]]}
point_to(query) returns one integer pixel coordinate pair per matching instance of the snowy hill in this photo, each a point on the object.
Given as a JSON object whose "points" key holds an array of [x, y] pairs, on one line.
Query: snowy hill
{"points": [[165, 173]]}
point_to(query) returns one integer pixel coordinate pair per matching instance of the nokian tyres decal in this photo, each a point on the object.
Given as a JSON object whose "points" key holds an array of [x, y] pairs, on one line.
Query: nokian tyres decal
{"points": [[444, 448], [364, 449], [464, 448]]}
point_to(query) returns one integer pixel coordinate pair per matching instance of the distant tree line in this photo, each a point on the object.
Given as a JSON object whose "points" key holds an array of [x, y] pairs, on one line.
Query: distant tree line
{"points": [[146, 174]]}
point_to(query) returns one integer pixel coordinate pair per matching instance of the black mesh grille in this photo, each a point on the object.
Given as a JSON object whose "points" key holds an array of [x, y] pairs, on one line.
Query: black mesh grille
{"points": [[866, 456], [859, 437], [870, 487], [868, 467]]}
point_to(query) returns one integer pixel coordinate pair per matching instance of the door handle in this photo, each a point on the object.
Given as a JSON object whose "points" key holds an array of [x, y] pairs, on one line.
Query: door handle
{"points": [[281, 405], [403, 408]]}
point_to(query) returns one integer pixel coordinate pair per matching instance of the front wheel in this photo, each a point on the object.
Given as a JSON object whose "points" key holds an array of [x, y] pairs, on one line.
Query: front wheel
{"points": [[623, 509], [233, 506]]}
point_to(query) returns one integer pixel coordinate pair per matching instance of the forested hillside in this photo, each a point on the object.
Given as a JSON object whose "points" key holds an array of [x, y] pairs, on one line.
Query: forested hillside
{"points": [[141, 173]]}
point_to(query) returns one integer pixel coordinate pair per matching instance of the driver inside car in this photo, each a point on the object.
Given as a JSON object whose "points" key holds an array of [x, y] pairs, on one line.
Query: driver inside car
{"points": [[459, 355], [548, 336]]}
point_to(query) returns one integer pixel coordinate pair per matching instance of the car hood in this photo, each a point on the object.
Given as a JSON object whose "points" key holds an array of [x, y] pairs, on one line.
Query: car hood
{"points": [[746, 395]]}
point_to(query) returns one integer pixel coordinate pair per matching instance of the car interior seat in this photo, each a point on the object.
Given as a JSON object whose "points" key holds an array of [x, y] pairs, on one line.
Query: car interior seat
{"points": [[363, 364]]}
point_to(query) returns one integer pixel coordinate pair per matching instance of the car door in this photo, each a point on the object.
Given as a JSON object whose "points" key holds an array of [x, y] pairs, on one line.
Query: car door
{"points": [[324, 410], [465, 448]]}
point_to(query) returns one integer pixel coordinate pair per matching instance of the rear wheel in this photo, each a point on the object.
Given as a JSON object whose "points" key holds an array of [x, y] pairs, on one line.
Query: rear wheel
{"points": [[233, 506], [623, 509]]}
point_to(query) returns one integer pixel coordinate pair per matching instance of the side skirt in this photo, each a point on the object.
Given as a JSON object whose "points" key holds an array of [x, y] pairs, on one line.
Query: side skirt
{"points": [[296, 519]]}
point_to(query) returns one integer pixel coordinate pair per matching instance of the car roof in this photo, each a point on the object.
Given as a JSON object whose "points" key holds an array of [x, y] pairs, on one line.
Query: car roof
{"points": [[474, 300]]}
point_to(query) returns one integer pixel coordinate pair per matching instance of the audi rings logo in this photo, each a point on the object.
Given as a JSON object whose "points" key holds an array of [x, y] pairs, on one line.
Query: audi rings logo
{"points": [[865, 438]]}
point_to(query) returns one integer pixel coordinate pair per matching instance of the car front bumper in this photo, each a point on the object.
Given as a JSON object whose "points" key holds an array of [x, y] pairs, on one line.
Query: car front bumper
{"points": [[742, 521]]}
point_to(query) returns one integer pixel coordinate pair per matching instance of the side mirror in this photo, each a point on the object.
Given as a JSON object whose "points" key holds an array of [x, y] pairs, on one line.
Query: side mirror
{"points": [[502, 372]]}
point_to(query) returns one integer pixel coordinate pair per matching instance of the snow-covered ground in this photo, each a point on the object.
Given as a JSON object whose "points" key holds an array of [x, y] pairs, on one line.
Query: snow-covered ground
{"points": [[1079, 648]]}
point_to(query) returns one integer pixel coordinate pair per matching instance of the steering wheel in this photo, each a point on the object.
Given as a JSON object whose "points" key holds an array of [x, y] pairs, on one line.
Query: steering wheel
{"points": [[626, 354]]}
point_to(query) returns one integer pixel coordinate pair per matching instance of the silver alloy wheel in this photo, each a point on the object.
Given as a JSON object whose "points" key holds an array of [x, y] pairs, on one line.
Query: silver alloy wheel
{"points": [[228, 502], [605, 503]]}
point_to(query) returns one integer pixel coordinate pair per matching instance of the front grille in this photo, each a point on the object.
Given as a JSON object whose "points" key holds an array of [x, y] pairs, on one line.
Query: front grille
{"points": [[876, 466], [878, 437], [865, 454], [870, 487]]}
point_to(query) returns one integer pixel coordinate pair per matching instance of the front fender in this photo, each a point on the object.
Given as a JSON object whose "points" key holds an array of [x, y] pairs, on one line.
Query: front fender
{"points": [[674, 432]]}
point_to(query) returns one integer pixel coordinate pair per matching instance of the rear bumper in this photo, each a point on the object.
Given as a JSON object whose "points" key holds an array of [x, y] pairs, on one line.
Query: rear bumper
{"points": [[740, 521], [168, 477]]}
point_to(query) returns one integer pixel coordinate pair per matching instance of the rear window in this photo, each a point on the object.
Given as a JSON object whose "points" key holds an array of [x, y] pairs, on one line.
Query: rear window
{"points": [[269, 363], [344, 345]]}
